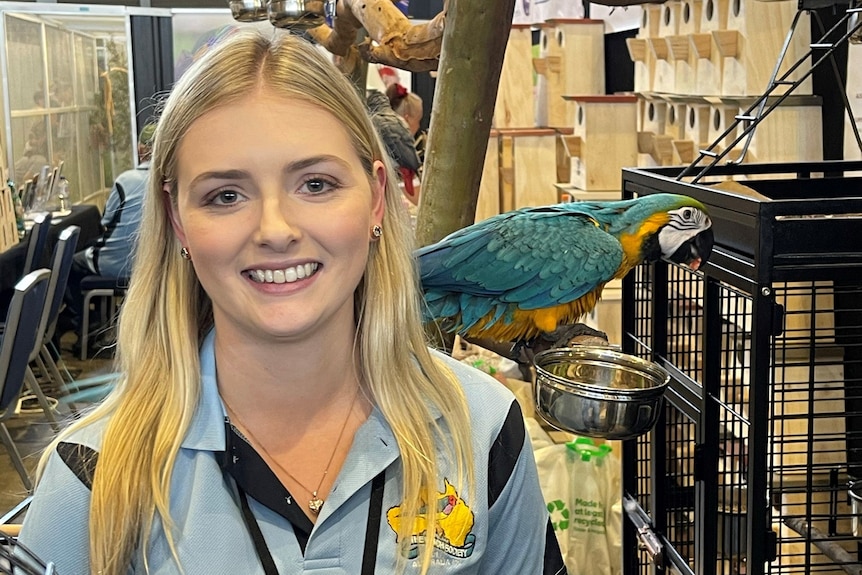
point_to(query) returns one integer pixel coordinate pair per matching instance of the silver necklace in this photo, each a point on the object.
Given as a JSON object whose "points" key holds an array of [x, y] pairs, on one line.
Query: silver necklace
{"points": [[315, 503]]}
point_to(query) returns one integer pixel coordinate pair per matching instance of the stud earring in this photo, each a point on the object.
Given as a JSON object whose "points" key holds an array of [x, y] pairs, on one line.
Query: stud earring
{"points": [[184, 253], [376, 231]]}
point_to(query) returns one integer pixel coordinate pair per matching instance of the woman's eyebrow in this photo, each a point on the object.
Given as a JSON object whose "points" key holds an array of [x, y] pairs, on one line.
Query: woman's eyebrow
{"points": [[304, 163], [297, 165], [219, 175]]}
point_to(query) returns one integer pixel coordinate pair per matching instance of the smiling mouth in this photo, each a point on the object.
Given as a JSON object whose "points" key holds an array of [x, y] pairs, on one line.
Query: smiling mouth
{"points": [[283, 276]]}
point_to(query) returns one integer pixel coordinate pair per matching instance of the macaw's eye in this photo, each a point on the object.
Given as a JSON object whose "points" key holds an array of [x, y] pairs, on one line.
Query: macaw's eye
{"points": [[686, 214]]}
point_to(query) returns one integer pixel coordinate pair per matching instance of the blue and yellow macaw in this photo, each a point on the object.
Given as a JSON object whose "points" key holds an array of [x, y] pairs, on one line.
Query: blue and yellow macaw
{"points": [[524, 273]]}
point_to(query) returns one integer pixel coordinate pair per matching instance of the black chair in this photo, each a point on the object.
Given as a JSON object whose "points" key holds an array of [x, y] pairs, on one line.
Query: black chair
{"points": [[110, 291], [61, 264], [28, 300], [16, 559], [37, 239]]}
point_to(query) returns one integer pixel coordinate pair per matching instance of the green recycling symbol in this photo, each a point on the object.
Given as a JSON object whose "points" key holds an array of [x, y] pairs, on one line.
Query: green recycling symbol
{"points": [[559, 515]]}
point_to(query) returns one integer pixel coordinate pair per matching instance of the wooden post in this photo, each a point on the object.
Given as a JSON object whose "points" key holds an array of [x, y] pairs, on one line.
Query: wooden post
{"points": [[474, 42]]}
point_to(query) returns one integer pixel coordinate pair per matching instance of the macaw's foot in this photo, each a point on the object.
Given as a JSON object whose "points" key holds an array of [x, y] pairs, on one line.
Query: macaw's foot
{"points": [[524, 352], [575, 334]]}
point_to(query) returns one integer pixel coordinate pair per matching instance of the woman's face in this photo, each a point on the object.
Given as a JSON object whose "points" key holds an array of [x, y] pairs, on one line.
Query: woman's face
{"points": [[276, 212]]}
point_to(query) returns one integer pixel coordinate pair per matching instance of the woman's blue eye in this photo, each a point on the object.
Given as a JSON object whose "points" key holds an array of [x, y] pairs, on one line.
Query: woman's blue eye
{"points": [[226, 198], [318, 185]]}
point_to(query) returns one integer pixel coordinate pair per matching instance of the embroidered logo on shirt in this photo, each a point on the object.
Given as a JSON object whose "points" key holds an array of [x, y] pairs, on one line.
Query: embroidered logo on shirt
{"points": [[454, 525]]}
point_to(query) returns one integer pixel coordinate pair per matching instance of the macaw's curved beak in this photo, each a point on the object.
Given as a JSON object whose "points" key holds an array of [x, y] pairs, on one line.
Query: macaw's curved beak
{"points": [[696, 251]]}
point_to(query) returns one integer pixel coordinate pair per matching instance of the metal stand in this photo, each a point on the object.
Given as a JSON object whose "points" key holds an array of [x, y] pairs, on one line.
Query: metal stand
{"points": [[819, 52]]}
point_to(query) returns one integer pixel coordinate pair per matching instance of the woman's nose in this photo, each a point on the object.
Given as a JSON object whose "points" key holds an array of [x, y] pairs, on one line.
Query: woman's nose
{"points": [[276, 229]]}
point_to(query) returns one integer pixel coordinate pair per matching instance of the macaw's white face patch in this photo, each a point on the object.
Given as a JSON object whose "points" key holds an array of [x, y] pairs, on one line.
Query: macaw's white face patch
{"points": [[683, 238]]}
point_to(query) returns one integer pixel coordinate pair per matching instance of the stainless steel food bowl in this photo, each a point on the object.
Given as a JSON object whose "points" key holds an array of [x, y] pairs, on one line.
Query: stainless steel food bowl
{"points": [[598, 392], [297, 14], [248, 10]]}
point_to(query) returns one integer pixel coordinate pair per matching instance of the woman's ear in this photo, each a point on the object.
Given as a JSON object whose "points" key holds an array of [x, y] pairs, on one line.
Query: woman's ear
{"points": [[378, 191], [170, 206]]}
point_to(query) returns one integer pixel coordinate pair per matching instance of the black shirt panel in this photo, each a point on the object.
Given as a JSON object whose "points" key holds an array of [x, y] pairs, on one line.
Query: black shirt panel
{"points": [[255, 478]]}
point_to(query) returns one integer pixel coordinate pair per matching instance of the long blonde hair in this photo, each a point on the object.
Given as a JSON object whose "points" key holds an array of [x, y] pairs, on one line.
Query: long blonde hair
{"points": [[166, 313]]}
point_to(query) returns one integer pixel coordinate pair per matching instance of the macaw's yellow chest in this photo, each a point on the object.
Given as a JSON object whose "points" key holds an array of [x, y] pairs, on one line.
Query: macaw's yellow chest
{"points": [[519, 324]]}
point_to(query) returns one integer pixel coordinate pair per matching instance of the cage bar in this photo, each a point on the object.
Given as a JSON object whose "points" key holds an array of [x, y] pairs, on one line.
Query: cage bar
{"points": [[748, 470]]}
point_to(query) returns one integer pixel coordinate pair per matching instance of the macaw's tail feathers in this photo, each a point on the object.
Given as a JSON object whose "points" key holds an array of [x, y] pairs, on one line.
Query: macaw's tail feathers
{"points": [[463, 312]]}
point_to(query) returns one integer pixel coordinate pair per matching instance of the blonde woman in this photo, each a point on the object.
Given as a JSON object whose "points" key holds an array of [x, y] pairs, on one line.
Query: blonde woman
{"points": [[279, 411]]}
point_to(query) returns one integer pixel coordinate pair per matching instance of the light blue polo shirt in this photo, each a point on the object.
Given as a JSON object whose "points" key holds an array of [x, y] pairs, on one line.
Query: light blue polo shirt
{"points": [[211, 536]]}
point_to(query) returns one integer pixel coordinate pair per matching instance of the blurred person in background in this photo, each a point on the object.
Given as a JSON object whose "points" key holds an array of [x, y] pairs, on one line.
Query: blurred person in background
{"points": [[113, 252], [35, 154], [408, 105]]}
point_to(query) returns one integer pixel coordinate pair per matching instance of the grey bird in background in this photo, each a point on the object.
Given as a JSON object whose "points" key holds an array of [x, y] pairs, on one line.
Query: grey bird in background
{"points": [[396, 136]]}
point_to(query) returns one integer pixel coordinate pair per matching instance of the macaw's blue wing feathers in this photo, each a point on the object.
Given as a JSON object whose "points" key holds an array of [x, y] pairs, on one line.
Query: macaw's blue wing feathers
{"points": [[525, 260], [516, 275]]}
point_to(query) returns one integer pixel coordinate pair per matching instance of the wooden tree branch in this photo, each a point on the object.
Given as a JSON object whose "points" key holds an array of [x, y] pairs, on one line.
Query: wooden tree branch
{"points": [[399, 43], [392, 39], [474, 41], [341, 37], [524, 355]]}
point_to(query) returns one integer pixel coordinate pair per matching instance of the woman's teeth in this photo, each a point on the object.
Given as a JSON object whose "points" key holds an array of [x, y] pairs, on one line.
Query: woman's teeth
{"points": [[287, 275]]}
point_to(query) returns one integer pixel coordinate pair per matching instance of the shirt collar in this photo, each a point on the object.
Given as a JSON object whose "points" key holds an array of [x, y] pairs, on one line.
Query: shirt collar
{"points": [[206, 431], [374, 446]]}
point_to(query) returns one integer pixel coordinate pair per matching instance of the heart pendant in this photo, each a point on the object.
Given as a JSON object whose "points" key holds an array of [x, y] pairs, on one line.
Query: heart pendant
{"points": [[315, 503]]}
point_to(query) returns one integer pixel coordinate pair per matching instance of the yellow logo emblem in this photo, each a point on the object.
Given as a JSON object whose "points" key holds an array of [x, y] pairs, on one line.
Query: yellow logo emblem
{"points": [[453, 534]]}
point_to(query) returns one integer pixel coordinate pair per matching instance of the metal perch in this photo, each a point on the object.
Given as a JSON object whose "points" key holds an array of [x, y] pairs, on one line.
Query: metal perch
{"points": [[830, 549]]}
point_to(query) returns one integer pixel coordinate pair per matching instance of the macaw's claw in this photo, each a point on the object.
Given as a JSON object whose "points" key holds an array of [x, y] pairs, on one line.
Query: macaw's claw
{"points": [[575, 334]]}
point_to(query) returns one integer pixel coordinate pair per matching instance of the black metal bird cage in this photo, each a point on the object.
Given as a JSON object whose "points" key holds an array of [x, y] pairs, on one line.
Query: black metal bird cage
{"points": [[749, 468]]}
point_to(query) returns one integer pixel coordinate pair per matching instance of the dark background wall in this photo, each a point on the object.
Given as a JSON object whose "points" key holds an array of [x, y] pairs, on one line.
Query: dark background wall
{"points": [[152, 63]]}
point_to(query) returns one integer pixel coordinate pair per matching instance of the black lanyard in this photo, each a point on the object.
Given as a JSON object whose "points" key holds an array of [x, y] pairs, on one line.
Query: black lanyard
{"points": [[233, 452], [372, 529]]}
